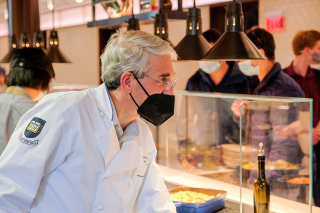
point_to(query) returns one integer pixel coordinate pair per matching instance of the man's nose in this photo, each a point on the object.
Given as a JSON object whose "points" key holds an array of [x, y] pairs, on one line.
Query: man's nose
{"points": [[168, 92]]}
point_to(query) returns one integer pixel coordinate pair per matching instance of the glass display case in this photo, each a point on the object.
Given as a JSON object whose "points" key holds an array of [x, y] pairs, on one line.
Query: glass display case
{"points": [[212, 141]]}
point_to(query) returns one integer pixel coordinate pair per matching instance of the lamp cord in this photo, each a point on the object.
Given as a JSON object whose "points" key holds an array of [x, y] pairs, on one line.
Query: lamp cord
{"points": [[52, 14], [161, 6], [132, 10]]}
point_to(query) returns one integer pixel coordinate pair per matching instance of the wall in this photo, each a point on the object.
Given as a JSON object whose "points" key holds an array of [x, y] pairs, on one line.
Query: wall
{"points": [[81, 45], [299, 15], [4, 48]]}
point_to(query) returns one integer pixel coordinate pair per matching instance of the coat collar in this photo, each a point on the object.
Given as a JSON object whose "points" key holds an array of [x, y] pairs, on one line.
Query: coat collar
{"points": [[104, 101], [276, 69]]}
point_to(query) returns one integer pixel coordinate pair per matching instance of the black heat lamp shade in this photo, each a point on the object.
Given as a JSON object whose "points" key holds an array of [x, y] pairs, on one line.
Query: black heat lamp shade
{"points": [[38, 40], [193, 46], [234, 44], [55, 55], [161, 27]]}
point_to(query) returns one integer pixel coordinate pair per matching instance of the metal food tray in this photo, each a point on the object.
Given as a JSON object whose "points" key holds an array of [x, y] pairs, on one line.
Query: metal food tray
{"points": [[216, 203]]}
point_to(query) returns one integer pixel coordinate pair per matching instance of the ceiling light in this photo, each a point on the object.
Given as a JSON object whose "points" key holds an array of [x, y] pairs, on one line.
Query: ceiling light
{"points": [[161, 25], [55, 55], [38, 40], [24, 40], [234, 45], [79, 1], [50, 4], [5, 14], [193, 46]]}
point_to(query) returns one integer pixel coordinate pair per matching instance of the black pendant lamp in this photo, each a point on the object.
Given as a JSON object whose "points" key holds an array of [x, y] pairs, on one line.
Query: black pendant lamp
{"points": [[24, 43], [234, 45], [193, 46], [12, 49], [38, 40], [54, 53], [133, 23], [161, 26]]}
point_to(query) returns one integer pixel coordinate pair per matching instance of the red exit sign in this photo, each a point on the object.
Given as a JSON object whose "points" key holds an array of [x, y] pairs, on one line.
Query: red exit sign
{"points": [[274, 23]]}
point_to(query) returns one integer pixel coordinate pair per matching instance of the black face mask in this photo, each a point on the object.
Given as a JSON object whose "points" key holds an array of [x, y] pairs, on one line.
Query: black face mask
{"points": [[157, 108]]}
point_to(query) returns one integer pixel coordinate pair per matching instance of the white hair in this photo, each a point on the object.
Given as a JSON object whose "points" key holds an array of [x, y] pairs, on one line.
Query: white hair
{"points": [[129, 51]]}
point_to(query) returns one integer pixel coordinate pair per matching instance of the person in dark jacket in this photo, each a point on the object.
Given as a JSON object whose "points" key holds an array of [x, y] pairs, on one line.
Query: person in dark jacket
{"points": [[263, 121], [306, 47], [213, 124]]}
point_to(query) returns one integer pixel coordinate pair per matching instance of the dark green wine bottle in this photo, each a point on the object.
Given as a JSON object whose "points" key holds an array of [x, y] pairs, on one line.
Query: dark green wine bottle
{"points": [[261, 187]]}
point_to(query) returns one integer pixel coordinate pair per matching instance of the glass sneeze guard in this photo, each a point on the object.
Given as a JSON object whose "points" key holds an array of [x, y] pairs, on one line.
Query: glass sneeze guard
{"points": [[206, 145]]}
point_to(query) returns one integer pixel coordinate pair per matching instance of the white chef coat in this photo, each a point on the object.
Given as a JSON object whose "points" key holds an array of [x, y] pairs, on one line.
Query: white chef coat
{"points": [[12, 107], [75, 164]]}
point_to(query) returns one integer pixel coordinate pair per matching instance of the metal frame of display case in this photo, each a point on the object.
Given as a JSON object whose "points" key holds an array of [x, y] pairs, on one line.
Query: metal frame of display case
{"points": [[143, 17]]}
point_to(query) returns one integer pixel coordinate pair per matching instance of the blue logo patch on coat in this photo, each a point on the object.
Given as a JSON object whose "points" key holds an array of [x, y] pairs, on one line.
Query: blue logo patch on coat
{"points": [[34, 127]]}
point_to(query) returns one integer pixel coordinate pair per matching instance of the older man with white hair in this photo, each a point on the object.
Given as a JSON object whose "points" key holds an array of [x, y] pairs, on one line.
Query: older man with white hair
{"points": [[89, 151]]}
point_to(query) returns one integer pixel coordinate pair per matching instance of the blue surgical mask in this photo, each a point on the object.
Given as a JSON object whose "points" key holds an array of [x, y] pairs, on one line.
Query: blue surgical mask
{"points": [[209, 66], [316, 57], [247, 68]]}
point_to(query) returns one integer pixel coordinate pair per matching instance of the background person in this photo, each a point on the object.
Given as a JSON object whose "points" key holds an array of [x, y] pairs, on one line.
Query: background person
{"points": [[261, 122], [88, 151], [306, 47], [213, 124], [30, 73], [3, 86]]}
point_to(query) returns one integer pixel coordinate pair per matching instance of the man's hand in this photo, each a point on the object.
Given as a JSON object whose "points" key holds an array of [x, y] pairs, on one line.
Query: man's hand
{"points": [[235, 107], [292, 130], [315, 136]]}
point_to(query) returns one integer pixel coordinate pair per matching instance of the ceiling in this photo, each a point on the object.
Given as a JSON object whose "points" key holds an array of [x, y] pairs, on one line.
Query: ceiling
{"points": [[59, 4]]}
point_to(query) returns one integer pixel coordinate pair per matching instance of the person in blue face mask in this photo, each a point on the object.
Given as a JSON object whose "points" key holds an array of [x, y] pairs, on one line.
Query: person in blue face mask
{"points": [[214, 124], [270, 80], [266, 76]]}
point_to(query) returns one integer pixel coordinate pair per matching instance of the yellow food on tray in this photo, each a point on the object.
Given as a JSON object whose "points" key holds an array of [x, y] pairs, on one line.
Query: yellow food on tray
{"points": [[302, 180], [271, 165], [190, 197]]}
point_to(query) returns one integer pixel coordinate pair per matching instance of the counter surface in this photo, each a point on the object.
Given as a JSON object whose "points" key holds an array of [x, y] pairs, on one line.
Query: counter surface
{"points": [[230, 206]]}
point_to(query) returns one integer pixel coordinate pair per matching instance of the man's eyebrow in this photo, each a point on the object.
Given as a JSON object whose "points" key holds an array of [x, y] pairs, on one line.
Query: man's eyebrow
{"points": [[164, 75]]}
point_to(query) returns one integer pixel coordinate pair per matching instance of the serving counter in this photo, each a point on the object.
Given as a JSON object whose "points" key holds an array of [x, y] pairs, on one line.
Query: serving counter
{"points": [[207, 144]]}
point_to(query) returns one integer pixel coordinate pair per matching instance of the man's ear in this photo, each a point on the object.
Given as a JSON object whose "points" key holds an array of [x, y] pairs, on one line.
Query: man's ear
{"points": [[306, 51], [126, 82]]}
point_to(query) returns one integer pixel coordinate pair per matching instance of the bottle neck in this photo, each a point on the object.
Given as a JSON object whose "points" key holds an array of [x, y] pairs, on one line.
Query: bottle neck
{"points": [[261, 167]]}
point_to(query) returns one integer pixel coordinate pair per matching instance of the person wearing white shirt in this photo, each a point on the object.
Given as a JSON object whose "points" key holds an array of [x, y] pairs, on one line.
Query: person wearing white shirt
{"points": [[88, 151], [30, 74]]}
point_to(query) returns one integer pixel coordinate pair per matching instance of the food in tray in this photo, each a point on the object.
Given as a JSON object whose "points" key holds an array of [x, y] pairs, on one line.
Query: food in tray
{"points": [[301, 180], [271, 165], [190, 197]]}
